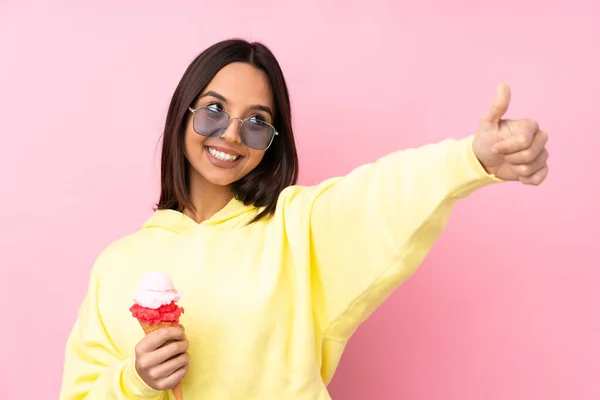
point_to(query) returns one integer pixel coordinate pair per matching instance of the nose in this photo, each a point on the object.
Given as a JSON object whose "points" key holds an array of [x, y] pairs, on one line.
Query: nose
{"points": [[232, 133]]}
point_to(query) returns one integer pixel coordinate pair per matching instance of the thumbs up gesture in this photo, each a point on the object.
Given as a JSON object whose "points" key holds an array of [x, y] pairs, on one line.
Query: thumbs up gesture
{"points": [[511, 149]]}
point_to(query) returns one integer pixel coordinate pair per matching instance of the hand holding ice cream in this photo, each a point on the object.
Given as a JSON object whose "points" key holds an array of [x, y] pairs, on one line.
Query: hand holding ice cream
{"points": [[161, 360]]}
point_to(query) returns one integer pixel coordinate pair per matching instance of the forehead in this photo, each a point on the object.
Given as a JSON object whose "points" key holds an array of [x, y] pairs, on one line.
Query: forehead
{"points": [[242, 84]]}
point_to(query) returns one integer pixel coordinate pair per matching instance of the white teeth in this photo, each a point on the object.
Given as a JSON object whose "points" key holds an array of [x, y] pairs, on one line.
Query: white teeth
{"points": [[221, 156]]}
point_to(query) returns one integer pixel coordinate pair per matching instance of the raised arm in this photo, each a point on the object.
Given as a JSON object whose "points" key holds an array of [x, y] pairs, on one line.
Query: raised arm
{"points": [[371, 229]]}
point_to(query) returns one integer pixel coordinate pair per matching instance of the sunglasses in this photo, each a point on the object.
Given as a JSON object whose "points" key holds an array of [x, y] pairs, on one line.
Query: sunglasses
{"points": [[254, 132]]}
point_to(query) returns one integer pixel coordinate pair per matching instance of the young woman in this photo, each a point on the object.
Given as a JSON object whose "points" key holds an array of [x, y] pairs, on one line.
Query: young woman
{"points": [[276, 277]]}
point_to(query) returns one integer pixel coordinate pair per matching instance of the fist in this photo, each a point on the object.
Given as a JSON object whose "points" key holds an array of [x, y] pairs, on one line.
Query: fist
{"points": [[161, 358], [512, 150]]}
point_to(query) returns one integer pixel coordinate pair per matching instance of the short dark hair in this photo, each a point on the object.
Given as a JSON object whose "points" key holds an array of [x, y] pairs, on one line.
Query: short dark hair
{"points": [[279, 166]]}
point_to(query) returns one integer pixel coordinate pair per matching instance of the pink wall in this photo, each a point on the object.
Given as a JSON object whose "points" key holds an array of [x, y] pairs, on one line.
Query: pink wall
{"points": [[83, 93]]}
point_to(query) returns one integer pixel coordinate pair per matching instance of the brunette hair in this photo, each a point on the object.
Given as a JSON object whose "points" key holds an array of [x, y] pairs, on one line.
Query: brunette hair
{"points": [[279, 166]]}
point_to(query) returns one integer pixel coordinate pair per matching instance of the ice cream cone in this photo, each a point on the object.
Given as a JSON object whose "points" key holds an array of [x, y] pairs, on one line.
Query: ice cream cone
{"points": [[152, 327], [156, 307], [177, 390]]}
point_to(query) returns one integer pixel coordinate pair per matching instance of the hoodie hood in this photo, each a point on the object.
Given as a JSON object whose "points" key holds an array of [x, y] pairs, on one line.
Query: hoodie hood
{"points": [[235, 213]]}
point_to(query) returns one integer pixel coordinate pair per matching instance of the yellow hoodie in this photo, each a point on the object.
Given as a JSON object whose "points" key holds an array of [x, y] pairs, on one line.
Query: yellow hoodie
{"points": [[270, 306]]}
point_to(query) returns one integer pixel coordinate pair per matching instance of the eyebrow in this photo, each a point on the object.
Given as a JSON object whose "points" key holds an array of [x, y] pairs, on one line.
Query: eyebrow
{"points": [[216, 95]]}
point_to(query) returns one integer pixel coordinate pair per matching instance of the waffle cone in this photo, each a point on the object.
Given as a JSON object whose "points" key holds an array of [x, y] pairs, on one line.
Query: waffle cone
{"points": [[150, 328], [177, 390]]}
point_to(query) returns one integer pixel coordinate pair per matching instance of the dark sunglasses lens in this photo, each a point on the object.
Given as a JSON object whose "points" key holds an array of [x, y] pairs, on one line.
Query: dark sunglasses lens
{"points": [[257, 135], [210, 123]]}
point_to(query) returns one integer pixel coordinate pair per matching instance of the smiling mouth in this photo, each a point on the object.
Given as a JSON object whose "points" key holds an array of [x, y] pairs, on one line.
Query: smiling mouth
{"points": [[219, 155]]}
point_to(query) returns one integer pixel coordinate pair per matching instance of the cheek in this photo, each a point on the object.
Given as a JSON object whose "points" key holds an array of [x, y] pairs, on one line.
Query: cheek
{"points": [[192, 143], [254, 158]]}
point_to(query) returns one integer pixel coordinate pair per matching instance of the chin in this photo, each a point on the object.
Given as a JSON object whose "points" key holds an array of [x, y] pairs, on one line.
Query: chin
{"points": [[220, 181], [219, 178]]}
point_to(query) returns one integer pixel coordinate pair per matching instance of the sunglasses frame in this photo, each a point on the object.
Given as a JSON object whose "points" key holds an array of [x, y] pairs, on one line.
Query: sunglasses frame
{"points": [[275, 133]]}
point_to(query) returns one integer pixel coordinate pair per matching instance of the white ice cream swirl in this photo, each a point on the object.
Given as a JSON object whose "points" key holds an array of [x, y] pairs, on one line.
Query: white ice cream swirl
{"points": [[155, 290]]}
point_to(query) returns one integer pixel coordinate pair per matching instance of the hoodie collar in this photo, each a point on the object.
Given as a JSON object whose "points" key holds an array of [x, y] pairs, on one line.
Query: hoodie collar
{"points": [[235, 213]]}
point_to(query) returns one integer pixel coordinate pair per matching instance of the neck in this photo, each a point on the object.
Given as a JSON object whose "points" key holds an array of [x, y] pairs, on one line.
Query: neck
{"points": [[207, 198]]}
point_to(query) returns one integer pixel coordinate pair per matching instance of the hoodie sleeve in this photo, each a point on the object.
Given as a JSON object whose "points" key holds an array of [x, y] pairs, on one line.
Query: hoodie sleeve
{"points": [[94, 368], [371, 229]]}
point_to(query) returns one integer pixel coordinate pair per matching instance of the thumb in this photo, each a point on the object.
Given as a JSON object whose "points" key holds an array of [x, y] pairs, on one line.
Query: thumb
{"points": [[500, 103]]}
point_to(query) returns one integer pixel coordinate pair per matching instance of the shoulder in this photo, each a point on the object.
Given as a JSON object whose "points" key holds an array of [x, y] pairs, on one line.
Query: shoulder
{"points": [[120, 253], [295, 202], [305, 194], [135, 249]]}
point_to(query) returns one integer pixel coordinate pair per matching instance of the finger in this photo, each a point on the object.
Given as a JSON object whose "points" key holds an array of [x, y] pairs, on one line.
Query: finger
{"points": [[521, 136], [168, 351], [159, 337], [537, 178], [172, 380], [169, 367], [531, 153], [499, 104], [527, 170]]}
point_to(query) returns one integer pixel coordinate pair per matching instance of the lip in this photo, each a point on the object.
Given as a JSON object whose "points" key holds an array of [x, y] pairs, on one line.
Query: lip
{"points": [[226, 150], [221, 163]]}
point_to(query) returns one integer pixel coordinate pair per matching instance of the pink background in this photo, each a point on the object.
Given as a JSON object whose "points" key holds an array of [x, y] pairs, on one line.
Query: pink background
{"points": [[507, 304]]}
